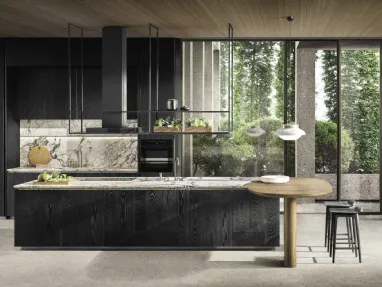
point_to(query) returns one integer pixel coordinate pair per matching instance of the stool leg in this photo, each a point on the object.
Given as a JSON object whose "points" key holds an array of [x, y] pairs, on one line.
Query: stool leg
{"points": [[330, 224], [334, 238], [331, 235], [354, 236], [326, 225], [351, 233], [348, 232], [358, 238]]}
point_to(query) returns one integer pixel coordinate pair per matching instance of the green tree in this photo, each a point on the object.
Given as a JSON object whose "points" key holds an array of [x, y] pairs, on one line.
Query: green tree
{"points": [[329, 61], [279, 82], [253, 75], [326, 148]]}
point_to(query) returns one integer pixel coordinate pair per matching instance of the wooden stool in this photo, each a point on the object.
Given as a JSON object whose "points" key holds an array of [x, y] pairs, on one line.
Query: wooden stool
{"points": [[336, 204], [353, 215]]}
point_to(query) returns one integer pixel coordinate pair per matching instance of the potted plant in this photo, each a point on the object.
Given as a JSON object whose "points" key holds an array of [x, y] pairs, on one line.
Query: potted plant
{"points": [[168, 125], [197, 125]]}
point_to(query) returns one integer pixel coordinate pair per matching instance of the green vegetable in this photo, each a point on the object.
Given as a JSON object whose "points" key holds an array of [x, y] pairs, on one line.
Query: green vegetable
{"points": [[54, 177], [46, 176], [55, 174]]}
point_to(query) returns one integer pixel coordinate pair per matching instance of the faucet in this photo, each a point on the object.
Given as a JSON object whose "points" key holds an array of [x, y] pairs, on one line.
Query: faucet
{"points": [[176, 167]]}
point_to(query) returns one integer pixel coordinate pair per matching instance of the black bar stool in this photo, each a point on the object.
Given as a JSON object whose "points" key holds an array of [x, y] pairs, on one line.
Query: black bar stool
{"points": [[353, 215], [336, 204]]}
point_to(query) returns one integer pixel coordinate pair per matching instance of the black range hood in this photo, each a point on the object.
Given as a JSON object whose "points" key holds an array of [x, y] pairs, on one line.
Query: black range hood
{"points": [[114, 83]]}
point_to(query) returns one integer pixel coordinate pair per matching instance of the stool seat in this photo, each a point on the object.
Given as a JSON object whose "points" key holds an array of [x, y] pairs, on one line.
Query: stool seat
{"points": [[343, 211], [337, 204]]}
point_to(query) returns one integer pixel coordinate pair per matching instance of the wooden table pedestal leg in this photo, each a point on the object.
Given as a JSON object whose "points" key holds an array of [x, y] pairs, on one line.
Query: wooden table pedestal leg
{"points": [[290, 232]]}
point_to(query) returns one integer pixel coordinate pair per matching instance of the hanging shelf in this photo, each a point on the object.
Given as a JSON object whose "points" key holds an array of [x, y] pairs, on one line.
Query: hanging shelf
{"points": [[77, 114]]}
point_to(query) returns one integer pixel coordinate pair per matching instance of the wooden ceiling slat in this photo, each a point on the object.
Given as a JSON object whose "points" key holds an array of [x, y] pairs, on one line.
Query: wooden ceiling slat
{"points": [[194, 18]]}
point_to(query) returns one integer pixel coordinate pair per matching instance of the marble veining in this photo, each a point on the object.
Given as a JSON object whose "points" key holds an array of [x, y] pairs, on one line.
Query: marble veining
{"points": [[192, 183], [77, 151]]}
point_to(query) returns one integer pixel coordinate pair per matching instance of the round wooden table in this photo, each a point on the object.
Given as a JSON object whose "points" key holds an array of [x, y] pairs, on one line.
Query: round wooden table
{"points": [[297, 187]]}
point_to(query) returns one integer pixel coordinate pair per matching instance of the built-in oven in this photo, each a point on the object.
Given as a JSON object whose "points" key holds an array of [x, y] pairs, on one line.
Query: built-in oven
{"points": [[156, 155]]}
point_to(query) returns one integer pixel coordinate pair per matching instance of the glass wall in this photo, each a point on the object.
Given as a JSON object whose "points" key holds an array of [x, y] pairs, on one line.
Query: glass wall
{"points": [[258, 95], [321, 87], [360, 106], [326, 104]]}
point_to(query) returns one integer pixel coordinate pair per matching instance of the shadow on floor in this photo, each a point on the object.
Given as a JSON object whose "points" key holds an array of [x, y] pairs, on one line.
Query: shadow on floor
{"points": [[155, 265]]}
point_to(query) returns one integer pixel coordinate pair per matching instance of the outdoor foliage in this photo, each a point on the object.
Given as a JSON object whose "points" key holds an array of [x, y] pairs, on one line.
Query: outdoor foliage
{"points": [[239, 155], [326, 148], [360, 104]]}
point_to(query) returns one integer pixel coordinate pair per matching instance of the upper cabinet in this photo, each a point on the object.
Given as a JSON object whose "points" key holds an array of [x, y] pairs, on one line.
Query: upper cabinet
{"points": [[42, 93], [38, 82]]}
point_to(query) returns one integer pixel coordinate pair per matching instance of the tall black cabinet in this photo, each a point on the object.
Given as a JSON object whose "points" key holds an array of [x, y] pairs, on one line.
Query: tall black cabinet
{"points": [[34, 85]]}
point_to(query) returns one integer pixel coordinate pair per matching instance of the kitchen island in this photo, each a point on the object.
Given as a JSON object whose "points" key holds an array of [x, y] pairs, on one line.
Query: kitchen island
{"points": [[201, 213]]}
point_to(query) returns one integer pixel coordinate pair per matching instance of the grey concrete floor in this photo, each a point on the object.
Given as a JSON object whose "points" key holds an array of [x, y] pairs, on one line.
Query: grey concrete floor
{"points": [[197, 268]]}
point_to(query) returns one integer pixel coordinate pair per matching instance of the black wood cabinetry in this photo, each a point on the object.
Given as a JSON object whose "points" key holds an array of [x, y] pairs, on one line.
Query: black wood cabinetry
{"points": [[135, 218], [18, 178], [43, 93]]}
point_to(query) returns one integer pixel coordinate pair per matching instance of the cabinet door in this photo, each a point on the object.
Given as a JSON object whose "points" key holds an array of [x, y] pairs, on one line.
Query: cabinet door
{"points": [[210, 216], [159, 218], [82, 218], [38, 93], [38, 218], [12, 180], [255, 220]]}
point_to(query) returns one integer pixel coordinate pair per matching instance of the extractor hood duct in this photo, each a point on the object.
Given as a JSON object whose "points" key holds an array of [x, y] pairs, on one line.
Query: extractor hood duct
{"points": [[114, 82]]}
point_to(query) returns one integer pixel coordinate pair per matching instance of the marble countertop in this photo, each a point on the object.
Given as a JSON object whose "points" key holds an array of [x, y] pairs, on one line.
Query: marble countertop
{"points": [[145, 183], [72, 169]]}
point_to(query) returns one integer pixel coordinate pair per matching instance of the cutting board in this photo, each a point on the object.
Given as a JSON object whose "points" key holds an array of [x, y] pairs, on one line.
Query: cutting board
{"points": [[39, 155], [50, 183]]}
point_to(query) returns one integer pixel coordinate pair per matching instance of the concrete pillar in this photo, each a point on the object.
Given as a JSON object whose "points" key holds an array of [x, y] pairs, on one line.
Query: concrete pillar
{"points": [[197, 76], [187, 99], [216, 87], [305, 112]]}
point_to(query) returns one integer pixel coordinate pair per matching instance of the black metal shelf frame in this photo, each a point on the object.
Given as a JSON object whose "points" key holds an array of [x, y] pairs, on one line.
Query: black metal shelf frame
{"points": [[70, 27], [79, 114]]}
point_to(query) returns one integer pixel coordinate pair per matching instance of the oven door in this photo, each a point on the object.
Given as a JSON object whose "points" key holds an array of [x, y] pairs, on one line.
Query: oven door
{"points": [[156, 166], [156, 150]]}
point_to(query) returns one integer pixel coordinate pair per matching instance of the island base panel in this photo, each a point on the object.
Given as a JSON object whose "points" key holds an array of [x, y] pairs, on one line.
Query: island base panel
{"points": [[145, 218]]}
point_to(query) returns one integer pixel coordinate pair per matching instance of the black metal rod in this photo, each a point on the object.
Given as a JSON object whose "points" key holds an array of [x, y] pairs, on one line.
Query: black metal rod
{"points": [[286, 54], [82, 79], [339, 121], [151, 26], [157, 70], [232, 106], [229, 78], [69, 78]]}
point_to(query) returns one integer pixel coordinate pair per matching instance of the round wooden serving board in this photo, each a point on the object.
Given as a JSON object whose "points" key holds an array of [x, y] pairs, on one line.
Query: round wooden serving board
{"points": [[39, 155]]}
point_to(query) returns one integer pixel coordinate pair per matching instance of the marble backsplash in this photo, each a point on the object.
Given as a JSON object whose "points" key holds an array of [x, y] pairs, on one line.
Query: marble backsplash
{"points": [[70, 150]]}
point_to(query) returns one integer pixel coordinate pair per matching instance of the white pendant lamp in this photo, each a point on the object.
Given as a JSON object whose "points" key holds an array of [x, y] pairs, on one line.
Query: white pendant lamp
{"points": [[290, 132], [254, 131]]}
